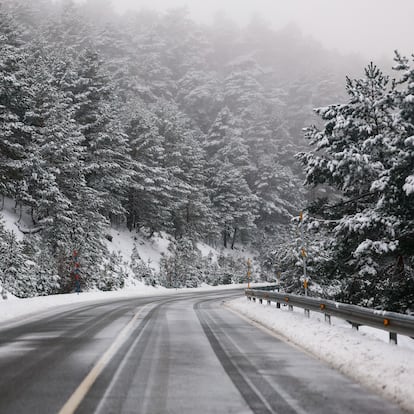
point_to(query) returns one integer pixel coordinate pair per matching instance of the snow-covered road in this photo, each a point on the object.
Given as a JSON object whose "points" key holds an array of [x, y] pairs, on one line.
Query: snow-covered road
{"points": [[179, 352]]}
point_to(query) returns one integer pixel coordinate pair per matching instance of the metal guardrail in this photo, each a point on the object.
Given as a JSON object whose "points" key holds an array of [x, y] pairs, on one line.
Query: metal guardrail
{"points": [[394, 323]]}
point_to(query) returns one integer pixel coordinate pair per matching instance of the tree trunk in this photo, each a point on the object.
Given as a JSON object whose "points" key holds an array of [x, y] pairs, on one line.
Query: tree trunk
{"points": [[20, 212], [32, 214], [188, 213], [400, 265], [234, 238]]}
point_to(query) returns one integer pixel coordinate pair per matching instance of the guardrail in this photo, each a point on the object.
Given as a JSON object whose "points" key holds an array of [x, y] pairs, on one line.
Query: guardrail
{"points": [[394, 323]]}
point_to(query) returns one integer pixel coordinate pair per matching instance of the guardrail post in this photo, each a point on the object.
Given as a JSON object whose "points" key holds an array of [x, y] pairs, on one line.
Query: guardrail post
{"points": [[393, 338], [327, 318], [307, 313]]}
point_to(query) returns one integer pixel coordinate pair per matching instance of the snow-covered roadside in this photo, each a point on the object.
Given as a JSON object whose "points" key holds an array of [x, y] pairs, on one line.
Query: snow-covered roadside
{"points": [[363, 355]]}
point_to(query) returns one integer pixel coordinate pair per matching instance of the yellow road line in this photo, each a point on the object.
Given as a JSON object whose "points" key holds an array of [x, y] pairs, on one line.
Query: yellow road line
{"points": [[76, 398]]}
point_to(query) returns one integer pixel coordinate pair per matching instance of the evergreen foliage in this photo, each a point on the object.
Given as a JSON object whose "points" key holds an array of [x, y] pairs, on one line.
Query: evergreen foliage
{"points": [[363, 152]]}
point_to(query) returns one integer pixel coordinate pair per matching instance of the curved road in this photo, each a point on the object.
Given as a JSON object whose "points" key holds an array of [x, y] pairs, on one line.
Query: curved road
{"points": [[167, 354]]}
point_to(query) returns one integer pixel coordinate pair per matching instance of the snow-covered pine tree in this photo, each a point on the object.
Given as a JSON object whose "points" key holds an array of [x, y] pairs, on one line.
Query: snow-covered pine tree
{"points": [[235, 205], [107, 158], [41, 276], [184, 162], [13, 105], [199, 95], [112, 275], [70, 29], [227, 163], [141, 270], [257, 114], [148, 195], [399, 177], [147, 76], [354, 154], [54, 172], [185, 46], [13, 269], [180, 267]]}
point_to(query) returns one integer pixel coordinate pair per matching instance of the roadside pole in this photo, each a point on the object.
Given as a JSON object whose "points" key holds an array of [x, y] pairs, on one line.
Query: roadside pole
{"points": [[249, 263], [303, 254], [278, 275], [76, 271]]}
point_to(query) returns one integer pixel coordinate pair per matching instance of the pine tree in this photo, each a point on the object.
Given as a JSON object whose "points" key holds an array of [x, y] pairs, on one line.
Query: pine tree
{"points": [[142, 271], [147, 205], [13, 269], [69, 29], [400, 155], [107, 157], [13, 106], [199, 95], [228, 163], [355, 153], [180, 268], [233, 201], [183, 160]]}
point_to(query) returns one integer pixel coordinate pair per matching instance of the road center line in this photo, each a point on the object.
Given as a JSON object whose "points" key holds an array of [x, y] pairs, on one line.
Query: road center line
{"points": [[76, 398]]}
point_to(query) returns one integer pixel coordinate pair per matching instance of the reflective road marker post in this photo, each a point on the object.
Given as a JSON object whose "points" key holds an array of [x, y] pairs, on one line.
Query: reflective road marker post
{"points": [[248, 273], [76, 271], [303, 254]]}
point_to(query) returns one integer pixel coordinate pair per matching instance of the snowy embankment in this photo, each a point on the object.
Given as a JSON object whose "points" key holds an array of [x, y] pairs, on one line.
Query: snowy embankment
{"points": [[364, 355]]}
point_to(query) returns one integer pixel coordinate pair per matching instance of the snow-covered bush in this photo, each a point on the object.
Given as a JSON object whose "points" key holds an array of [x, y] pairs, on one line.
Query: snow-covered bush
{"points": [[142, 271]]}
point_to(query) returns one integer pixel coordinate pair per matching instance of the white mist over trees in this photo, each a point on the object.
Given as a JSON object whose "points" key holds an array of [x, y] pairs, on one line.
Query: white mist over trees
{"points": [[371, 28], [162, 124]]}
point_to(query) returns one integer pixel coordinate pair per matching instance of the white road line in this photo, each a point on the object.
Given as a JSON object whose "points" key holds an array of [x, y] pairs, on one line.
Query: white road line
{"points": [[76, 398], [118, 372]]}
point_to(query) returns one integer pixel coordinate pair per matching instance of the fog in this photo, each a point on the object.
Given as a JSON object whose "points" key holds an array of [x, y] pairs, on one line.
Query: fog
{"points": [[373, 28]]}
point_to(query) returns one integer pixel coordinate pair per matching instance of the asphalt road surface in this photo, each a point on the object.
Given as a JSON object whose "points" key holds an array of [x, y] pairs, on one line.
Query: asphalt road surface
{"points": [[180, 354]]}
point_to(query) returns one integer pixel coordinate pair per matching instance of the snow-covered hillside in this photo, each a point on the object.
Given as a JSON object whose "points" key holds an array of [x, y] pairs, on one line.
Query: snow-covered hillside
{"points": [[152, 249], [137, 255]]}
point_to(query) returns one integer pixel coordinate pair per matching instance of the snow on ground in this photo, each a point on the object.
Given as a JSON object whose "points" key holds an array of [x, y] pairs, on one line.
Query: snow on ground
{"points": [[150, 250], [364, 355], [205, 250]]}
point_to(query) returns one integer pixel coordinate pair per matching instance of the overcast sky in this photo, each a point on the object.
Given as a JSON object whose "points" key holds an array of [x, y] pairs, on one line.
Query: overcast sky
{"points": [[373, 28]]}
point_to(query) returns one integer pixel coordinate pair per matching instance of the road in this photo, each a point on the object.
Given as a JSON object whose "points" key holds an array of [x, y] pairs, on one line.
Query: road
{"points": [[181, 354]]}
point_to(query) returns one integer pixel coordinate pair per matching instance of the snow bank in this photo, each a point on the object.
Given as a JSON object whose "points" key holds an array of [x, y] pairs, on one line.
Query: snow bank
{"points": [[363, 355]]}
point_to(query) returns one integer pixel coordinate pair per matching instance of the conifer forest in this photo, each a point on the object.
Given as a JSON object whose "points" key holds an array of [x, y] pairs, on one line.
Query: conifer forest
{"points": [[213, 133]]}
